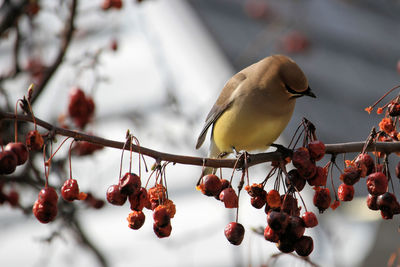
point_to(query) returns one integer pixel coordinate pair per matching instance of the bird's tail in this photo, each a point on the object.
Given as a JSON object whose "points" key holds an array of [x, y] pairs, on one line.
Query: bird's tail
{"points": [[214, 152]]}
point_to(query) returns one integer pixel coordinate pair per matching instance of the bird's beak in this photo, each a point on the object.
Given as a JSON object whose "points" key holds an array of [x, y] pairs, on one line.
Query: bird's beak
{"points": [[309, 93]]}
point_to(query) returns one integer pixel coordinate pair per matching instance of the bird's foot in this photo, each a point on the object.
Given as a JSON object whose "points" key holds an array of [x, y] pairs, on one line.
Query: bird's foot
{"points": [[286, 152]]}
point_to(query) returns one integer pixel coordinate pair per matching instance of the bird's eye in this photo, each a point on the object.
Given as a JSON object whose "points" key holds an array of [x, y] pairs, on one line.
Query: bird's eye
{"points": [[293, 92]]}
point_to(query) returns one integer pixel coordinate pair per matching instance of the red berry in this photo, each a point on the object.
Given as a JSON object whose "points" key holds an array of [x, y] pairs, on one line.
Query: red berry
{"points": [[138, 201], [115, 196], [320, 177], [34, 141], [130, 183], [308, 170], [350, 175], [256, 190], [157, 194], [20, 150], [274, 199], [387, 202], [234, 232], [162, 232], [345, 192], [259, 202], [295, 228], [371, 202], [289, 205], [13, 198], [270, 235], [295, 179], [45, 212], [377, 183], [229, 197], [304, 246], [48, 195], [161, 216], [70, 190], [136, 219], [368, 161], [310, 220], [93, 201], [322, 199], [278, 221], [316, 149], [300, 157], [8, 162], [211, 185], [285, 245]]}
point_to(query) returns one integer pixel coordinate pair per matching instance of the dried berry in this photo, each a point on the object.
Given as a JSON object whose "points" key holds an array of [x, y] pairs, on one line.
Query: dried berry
{"points": [[115, 196], [345, 192], [366, 160], [278, 221], [34, 141], [234, 232], [44, 212], [161, 216], [274, 199], [322, 199], [157, 194], [316, 150], [285, 245], [8, 162], [295, 179], [130, 184], [394, 109], [270, 235], [138, 201], [377, 183], [308, 170], [310, 219], [20, 150], [301, 157], [136, 219], [320, 177], [289, 205], [229, 197], [350, 175], [295, 228], [70, 190], [162, 232], [259, 202]]}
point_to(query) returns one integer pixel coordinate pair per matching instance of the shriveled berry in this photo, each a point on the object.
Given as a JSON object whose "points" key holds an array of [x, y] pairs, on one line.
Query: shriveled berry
{"points": [[130, 183], [295, 179], [270, 235], [229, 197], [161, 216], [289, 205], [394, 109], [322, 199], [136, 219], [350, 175], [170, 206], [162, 232], [44, 212], [115, 196], [157, 193], [345, 192], [368, 161], [310, 219], [20, 150], [8, 162], [278, 221], [138, 201], [234, 232], [377, 183], [316, 150], [371, 202], [258, 202], [285, 245], [320, 177], [256, 190], [295, 228], [301, 157], [304, 246], [211, 185], [308, 170], [34, 141], [70, 190], [274, 199]]}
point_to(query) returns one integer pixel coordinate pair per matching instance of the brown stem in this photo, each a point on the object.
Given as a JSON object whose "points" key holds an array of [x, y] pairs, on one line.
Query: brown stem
{"points": [[254, 159]]}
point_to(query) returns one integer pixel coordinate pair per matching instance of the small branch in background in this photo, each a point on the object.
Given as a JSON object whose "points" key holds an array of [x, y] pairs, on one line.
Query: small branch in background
{"points": [[9, 14]]}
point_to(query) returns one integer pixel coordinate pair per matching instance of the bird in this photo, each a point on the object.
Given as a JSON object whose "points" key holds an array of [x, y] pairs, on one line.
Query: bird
{"points": [[254, 107]]}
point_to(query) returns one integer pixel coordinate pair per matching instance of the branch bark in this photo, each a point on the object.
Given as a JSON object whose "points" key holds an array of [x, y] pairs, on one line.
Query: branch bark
{"points": [[254, 159]]}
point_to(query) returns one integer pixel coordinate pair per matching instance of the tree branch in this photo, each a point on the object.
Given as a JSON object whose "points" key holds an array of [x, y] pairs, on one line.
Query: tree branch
{"points": [[254, 159]]}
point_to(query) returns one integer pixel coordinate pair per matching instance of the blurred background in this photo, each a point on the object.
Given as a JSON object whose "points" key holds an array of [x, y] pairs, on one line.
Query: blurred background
{"points": [[156, 67]]}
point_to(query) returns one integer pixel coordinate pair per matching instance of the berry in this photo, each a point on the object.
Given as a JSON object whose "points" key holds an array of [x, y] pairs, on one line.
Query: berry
{"points": [[170, 206], [136, 219], [48, 195], [293, 178], [316, 150], [229, 197], [256, 190], [70, 190], [301, 157], [8, 162], [309, 219], [274, 199], [345, 192], [350, 175], [162, 232], [285, 245], [234, 232], [295, 228], [322, 199], [93, 201], [387, 202], [211, 185], [368, 161], [304, 246], [161, 216], [20, 150], [319, 178], [138, 201], [80, 107], [307, 171], [270, 235], [289, 205], [394, 108], [278, 221], [130, 184], [371, 202], [157, 194], [44, 212], [13, 198], [377, 183], [258, 202], [115, 196], [34, 141]]}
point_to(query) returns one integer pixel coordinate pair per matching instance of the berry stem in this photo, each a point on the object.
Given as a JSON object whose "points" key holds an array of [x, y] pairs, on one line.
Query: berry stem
{"points": [[58, 148], [388, 92], [70, 161]]}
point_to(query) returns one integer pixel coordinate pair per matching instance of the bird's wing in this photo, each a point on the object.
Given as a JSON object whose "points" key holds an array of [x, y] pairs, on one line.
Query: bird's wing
{"points": [[223, 102]]}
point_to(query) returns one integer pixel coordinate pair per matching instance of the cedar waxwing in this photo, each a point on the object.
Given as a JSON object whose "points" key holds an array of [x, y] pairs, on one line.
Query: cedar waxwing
{"points": [[254, 107]]}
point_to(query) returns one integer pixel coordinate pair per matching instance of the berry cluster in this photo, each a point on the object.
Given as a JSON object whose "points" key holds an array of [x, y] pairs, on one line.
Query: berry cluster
{"points": [[13, 154], [80, 107]]}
